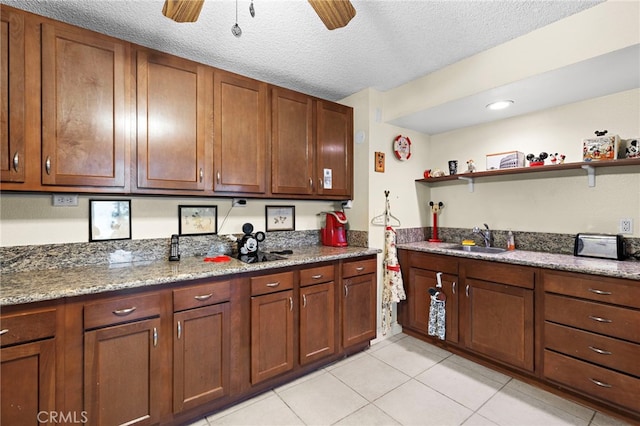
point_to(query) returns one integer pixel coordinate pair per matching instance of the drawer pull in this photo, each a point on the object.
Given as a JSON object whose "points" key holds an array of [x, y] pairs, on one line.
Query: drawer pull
{"points": [[291, 303], [601, 292], [276, 284], [600, 319], [360, 268], [304, 301], [316, 277], [124, 312], [155, 337], [5, 331], [600, 351], [599, 383], [346, 288], [453, 287], [179, 330], [466, 290], [203, 297]]}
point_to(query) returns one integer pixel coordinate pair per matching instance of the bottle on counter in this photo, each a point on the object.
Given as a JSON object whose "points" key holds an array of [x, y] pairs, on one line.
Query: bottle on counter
{"points": [[511, 241]]}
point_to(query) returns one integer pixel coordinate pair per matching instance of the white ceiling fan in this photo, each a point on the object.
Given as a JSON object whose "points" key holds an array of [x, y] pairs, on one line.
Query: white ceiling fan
{"points": [[333, 13]]}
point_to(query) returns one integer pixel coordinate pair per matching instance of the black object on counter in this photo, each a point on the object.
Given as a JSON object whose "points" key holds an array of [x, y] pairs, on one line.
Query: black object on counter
{"points": [[248, 247], [174, 253]]}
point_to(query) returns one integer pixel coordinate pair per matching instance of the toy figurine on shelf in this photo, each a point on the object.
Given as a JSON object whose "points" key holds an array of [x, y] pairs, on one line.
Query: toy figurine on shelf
{"points": [[557, 158], [537, 161], [437, 173], [471, 166]]}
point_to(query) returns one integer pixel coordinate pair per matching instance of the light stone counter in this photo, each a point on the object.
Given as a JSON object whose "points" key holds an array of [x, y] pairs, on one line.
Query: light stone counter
{"points": [[34, 286], [628, 269]]}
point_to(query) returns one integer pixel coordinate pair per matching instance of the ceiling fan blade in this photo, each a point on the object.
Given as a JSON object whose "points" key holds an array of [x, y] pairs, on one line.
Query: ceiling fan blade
{"points": [[182, 10], [334, 13]]}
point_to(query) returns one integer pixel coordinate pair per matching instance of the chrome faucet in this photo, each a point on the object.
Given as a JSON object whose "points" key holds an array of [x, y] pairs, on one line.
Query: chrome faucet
{"points": [[486, 234]]}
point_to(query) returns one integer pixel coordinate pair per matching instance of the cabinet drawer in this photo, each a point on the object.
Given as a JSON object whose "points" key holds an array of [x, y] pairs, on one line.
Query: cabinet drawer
{"points": [[27, 327], [601, 289], [321, 274], [361, 267], [271, 283], [434, 262], [595, 381], [606, 351], [115, 311], [597, 317], [515, 275], [201, 295]]}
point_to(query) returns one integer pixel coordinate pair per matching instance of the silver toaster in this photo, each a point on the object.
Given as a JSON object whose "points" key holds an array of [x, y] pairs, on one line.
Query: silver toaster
{"points": [[605, 246]]}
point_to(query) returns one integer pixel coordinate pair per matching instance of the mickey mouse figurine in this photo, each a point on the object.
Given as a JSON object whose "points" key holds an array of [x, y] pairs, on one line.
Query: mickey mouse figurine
{"points": [[537, 161], [248, 244]]}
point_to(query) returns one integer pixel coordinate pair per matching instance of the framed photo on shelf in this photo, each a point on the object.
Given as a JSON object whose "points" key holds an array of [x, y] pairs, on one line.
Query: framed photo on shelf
{"points": [[197, 220], [280, 218], [109, 220]]}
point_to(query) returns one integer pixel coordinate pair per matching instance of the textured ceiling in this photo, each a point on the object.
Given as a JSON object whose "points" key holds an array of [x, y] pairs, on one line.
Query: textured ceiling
{"points": [[387, 44]]}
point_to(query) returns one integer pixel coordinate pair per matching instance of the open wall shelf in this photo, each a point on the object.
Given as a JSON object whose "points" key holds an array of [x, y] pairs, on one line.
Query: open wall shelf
{"points": [[589, 166]]}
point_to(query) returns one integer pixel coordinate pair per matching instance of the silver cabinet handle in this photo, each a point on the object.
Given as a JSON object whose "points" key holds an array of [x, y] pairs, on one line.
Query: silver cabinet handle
{"points": [[304, 300], [124, 312], [316, 277], [16, 161], [5, 331], [218, 177], [310, 183], [155, 337], [290, 303], [600, 351], [605, 293], [276, 284], [453, 287], [600, 319], [346, 289], [360, 268], [201, 174], [320, 186], [179, 330], [47, 165], [466, 290], [601, 384], [203, 297]]}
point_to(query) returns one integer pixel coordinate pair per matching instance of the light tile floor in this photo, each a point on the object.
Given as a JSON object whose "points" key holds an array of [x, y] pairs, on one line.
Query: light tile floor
{"points": [[405, 381]]}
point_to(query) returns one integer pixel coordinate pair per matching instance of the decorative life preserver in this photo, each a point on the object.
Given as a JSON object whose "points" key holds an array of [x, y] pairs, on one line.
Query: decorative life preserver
{"points": [[402, 147]]}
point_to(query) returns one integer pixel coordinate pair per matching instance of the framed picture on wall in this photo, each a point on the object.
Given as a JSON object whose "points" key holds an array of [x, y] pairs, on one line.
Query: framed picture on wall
{"points": [[280, 218], [109, 220], [197, 220]]}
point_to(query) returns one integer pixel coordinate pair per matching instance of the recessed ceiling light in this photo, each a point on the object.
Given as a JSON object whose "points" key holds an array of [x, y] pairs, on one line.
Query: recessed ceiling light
{"points": [[500, 105]]}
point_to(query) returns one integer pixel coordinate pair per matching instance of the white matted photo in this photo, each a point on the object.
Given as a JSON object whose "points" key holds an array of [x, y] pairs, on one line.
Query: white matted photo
{"points": [[280, 218], [109, 220], [198, 220]]}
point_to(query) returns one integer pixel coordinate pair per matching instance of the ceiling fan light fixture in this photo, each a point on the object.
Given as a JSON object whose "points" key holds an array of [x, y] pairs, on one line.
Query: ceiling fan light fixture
{"points": [[182, 10], [334, 13], [498, 105]]}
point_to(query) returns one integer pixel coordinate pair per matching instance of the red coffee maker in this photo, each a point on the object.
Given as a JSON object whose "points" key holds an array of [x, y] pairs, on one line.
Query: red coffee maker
{"points": [[334, 234]]}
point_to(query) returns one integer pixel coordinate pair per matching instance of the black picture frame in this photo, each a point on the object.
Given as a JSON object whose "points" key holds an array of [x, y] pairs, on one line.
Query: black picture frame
{"points": [[280, 218], [109, 220], [197, 220]]}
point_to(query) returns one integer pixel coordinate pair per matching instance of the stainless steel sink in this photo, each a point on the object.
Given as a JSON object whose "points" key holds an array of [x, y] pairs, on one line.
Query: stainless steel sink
{"points": [[478, 249]]}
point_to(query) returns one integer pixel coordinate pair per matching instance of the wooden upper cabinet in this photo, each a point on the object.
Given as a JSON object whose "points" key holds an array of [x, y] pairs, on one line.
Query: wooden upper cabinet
{"points": [[292, 143], [334, 149], [171, 124], [240, 134], [84, 114], [12, 66]]}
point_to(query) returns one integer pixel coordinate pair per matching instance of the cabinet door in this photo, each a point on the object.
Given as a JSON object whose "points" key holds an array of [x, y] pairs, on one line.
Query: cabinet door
{"points": [[240, 134], [317, 322], [27, 374], [122, 374], [200, 356], [499, 322], [171, 122], [271, 335], [83, 108], [292, 143], [419, 300], [359, 301], [334, 149], [12, 94]]}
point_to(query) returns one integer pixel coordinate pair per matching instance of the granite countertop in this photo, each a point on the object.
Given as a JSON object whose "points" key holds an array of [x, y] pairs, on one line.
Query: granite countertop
{"points": [[629, 269], [50, 284]]}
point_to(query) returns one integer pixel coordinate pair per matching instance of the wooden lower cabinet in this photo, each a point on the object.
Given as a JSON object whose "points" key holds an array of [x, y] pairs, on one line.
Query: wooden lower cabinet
{"points": [[317, 322], [359, 302], [201, 356], [122, 378]]}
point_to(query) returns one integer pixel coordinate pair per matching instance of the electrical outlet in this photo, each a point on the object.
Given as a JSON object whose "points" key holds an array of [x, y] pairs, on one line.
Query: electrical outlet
{"points": [[626, 226], [65, 200], [239, 202]]}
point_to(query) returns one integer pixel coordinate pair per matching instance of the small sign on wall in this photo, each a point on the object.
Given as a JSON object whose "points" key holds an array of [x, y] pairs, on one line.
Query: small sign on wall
{"points": [[379, 162]]}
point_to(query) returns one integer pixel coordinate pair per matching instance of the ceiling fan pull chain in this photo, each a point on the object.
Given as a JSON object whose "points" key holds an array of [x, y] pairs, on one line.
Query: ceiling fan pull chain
{"points": [[235, 30], [252, 10]]}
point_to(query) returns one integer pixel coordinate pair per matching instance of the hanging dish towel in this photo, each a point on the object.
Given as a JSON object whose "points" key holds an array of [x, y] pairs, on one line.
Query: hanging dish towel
{"points": [[437, 317], [392, 284]]}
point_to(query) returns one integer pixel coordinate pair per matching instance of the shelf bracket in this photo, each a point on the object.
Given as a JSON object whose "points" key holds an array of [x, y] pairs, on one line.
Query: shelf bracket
{"points": [[591, 174], [469, 182]]}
